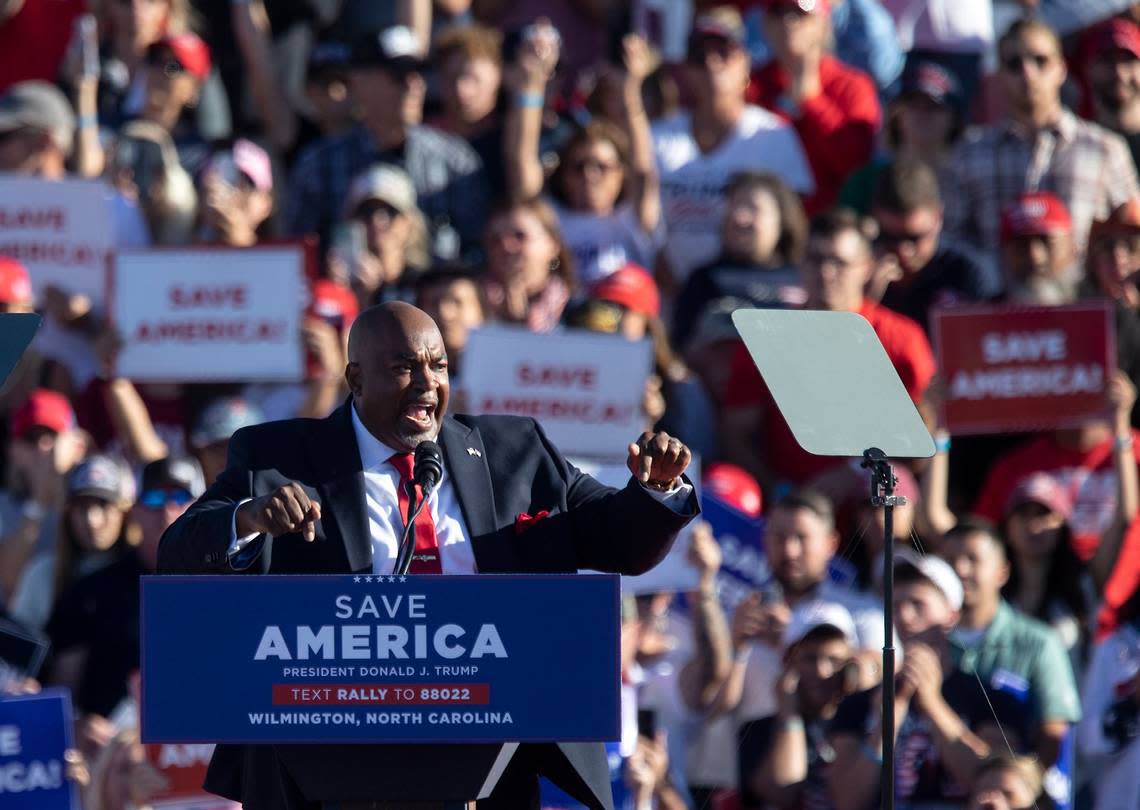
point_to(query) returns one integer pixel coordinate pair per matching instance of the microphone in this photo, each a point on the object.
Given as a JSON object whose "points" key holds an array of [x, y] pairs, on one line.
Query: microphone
{"points": [[427, 470], [428, 466]]}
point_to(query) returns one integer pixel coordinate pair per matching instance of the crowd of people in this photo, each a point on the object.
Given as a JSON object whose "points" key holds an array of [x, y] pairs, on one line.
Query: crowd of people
{"points": [[640, 168]]}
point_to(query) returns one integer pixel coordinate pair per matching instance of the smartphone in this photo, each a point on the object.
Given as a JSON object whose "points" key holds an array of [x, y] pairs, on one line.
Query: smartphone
{"points": [[349, 242], [620, 24], [225, 168], [771, 593], [514, 39], [647, 723], [87, 29], [143, 157]]}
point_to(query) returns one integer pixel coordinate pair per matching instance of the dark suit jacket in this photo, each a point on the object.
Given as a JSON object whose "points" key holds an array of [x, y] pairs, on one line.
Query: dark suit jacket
{"points": [[500, 467]]}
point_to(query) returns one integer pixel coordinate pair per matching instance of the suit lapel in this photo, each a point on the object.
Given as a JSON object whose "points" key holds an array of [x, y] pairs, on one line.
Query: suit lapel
{"points": [[336, 459], [466, 461]]}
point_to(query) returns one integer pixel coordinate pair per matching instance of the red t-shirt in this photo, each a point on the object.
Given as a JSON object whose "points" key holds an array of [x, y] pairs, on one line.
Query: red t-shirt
{"points": [[34, 41], [1089, 476], [837, 127], [167, 414], [1122, 582], [908, 350]]}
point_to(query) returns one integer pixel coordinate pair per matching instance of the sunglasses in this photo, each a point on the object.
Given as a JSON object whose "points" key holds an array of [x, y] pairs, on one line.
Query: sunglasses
{"points": [[582, 166], [895, 238], [708, 45], [1016, 62], [170, 66], [1109, 244], [14, 134], [370, 208], [158, 498]]}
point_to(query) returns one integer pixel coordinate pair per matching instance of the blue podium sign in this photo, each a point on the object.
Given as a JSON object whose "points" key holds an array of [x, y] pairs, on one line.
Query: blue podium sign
{"points": [[35, 731], [458, 659]]}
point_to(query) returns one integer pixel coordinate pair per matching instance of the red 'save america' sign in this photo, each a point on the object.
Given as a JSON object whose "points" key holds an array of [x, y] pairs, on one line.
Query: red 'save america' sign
{"points": [[1011, 369]]}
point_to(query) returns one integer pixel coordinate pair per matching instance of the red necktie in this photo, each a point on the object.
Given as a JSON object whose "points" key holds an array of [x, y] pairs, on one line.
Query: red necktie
{"points": [[426, 558]]}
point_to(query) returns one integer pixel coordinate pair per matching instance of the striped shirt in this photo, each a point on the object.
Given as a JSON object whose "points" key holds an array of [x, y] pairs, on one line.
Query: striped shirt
{"points": [[451, 185], [1084, 164]]}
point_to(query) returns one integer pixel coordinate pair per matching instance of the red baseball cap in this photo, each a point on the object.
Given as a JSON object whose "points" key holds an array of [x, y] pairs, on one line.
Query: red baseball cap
{"points": [[734, 486], [1038, 213], [190, 51], [632, 287], [333, 304], [43, 408], [15, 283], [1115, 34], [1044, 489], [806, 6]]}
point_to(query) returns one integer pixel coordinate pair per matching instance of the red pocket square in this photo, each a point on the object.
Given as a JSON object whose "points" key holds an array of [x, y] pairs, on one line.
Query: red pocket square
{"points": [[525, 521]]}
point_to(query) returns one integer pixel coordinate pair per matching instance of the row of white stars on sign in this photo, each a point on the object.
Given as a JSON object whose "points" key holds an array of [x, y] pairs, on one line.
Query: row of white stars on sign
{"points": [[380, 579]]}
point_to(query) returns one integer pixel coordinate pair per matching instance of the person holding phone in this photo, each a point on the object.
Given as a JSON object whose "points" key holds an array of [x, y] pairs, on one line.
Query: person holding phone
{"points": [[937, 707], [783, 757], [235, 195], [382, 242]]}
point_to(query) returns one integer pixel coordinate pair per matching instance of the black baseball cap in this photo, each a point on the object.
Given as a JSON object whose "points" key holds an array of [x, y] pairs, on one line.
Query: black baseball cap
{"points": [[934, 81], [396, 49], [721, 22], [174, 472], [327, 57]]}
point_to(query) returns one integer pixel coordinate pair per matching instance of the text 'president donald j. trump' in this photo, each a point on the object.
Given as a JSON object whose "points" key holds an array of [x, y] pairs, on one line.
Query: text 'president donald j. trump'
{"points": [[326, 496]]}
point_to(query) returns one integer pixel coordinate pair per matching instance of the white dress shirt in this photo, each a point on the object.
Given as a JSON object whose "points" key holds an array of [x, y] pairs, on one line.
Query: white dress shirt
{"points": [[386, 524]]}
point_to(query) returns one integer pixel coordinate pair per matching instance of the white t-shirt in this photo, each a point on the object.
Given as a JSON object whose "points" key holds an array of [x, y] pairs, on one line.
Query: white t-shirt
{"points": [[602, 245], [693, 183], [954, 26]]}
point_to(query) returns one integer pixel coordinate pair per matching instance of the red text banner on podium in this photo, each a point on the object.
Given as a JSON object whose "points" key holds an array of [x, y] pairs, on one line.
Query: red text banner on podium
{"points": [[346, 659], [1013, 369]]}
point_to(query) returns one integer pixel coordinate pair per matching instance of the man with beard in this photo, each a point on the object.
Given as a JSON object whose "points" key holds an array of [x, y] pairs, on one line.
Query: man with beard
{"points": [[1112, 52], [1038, 251]]}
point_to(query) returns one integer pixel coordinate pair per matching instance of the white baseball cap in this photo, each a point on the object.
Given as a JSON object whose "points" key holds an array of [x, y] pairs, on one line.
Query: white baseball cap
{"points": [[937, 571], [818, 613]]}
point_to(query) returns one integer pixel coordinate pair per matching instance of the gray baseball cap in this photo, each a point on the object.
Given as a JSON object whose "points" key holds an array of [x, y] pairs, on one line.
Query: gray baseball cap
{"points": [[102, 477], [41, 106]]}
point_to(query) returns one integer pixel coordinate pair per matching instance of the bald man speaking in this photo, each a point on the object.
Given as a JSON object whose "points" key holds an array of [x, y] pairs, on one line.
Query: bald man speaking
{"points": [[325, 496]]}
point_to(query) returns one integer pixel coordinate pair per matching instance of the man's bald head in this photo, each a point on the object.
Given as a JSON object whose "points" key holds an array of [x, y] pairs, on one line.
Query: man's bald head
{"points": [[397, 373], [383, 322]]}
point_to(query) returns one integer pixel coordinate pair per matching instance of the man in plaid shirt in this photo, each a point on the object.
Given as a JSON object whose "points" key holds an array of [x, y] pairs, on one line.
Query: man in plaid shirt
{"points": [[450, 182], [1041, 147]]}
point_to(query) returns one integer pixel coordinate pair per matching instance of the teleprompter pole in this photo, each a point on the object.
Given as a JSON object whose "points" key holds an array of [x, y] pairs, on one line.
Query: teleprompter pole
{"points": [[883, 494]]}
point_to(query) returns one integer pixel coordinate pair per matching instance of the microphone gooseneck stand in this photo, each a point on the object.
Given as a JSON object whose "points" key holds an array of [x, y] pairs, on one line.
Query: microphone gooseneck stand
{"points": [[883, 494], [407, 541]]}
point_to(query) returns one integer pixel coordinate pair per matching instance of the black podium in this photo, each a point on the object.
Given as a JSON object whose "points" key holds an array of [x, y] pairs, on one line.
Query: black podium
{"points": [[439, 775]]}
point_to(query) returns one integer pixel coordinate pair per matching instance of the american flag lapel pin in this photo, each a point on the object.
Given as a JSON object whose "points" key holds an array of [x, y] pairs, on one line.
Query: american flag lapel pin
{"points": [[471, 451]]}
